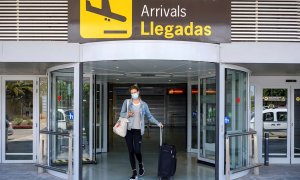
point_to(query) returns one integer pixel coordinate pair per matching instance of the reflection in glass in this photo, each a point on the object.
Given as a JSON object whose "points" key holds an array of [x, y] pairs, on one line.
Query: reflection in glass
{"points": [[19, 120], [208, 117], [236, 114], [275, 120]]}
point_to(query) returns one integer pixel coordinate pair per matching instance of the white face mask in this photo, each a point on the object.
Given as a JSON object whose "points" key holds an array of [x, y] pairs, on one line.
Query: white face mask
{"points": [[135, 95]]}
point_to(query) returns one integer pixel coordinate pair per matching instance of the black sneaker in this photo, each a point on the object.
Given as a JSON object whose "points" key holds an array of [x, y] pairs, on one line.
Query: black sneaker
{"points": [[134, 175], [141, 169]]}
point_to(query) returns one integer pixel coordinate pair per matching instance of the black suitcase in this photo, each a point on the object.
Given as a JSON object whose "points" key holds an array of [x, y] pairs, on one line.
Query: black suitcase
{"points": [[167, 160]]}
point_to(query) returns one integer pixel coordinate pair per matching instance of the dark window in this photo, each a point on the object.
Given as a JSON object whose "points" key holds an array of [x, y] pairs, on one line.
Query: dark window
{"points": [[281, 116], [268, 116]]}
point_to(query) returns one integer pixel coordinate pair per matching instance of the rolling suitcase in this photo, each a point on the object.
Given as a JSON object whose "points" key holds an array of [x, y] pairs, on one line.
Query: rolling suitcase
{"points": [[167, 160]]}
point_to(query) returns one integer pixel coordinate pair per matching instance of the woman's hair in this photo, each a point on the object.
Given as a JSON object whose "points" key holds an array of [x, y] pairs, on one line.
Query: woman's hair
{"points": [[135, 86]]}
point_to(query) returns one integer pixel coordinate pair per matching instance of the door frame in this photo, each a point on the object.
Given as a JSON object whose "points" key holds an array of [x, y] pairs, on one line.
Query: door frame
{"points": [[103, 98], [189, 116], [35, 111]]}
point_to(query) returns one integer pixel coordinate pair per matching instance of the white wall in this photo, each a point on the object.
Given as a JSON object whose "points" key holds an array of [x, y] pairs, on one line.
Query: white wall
{"points": [[237, 52], [46, 51], [260, 52], [147, 50]]}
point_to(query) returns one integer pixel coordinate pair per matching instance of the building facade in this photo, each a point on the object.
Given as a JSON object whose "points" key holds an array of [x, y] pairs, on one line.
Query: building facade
{"points": [[58, 95]]}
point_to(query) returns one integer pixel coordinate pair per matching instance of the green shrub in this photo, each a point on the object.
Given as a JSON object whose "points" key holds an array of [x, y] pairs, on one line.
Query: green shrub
{"points": [[17, 121], [29, 122]]}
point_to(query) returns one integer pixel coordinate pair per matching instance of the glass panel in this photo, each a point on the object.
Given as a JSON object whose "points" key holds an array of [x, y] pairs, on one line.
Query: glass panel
{"points": [[194, 116], [236, 115], [297, 123], [208, 117], [98, 117], [62, 115], [43, 117], [19, 120], [275, 120], [86, 119]]}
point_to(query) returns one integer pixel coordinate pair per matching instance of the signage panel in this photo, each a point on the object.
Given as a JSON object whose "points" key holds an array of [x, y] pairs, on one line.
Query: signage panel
{"points": [[186, 20]]}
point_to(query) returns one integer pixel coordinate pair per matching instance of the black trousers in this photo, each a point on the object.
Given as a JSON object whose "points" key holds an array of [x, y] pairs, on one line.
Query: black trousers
{"points": [[134, 141]]}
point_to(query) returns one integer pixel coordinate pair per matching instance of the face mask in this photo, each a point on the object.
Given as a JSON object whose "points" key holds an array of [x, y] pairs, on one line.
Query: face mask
{"points": [[135, 95]]}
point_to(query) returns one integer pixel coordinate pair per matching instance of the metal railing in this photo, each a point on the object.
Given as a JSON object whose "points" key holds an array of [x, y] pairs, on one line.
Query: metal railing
{"points": [[254, 155]]}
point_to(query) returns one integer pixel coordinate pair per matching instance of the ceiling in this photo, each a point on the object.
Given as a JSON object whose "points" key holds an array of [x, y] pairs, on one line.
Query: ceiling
{"points": [[149, 71]]}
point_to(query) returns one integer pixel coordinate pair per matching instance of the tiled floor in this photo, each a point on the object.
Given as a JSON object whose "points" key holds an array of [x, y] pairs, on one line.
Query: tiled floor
{"points": [[22, 172], [276, 172], [115, 166]]}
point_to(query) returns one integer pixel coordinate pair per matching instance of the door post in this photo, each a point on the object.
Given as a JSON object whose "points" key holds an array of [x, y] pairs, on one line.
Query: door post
{"points": [[78, 119]]}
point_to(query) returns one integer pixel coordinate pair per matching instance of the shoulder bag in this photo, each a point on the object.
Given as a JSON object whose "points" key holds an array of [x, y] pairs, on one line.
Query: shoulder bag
{"points": [[120, 128]]}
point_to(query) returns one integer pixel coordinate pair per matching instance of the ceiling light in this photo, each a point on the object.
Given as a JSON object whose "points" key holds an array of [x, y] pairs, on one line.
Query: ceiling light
{"points": [[117, 67], [190, 68]]}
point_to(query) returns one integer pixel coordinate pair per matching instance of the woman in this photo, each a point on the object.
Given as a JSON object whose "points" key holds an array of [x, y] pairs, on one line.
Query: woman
{"points": [[137, 109]]}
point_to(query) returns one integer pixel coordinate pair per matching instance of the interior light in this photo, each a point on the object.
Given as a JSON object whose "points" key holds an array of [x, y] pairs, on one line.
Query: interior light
{"points": [[209, 91], [175, 91]]}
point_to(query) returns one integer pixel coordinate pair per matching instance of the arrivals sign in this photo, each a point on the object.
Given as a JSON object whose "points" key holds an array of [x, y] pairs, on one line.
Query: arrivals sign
{"points": [[187, 20]]}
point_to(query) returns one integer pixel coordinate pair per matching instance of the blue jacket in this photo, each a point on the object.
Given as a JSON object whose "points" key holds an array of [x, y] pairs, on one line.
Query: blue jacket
{"points": [[144, 111]]}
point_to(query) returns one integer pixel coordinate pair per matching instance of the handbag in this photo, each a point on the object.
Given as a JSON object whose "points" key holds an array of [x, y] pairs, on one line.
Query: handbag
{"points": [[120, 128]]}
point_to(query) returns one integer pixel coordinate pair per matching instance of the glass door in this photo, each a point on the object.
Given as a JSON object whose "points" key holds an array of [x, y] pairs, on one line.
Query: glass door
{"points": [[207, 119], [275, 122], [67, 134], [236, 116], [295, 125], [233, 147], [18, 119]]}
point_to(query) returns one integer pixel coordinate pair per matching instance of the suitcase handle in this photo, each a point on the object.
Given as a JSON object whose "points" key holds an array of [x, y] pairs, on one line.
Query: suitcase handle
{"points": [[160, 135]]}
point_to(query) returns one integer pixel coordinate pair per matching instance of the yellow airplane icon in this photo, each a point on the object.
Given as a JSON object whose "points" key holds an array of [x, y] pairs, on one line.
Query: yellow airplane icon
{"points": [[104, 11], [106, 18]]}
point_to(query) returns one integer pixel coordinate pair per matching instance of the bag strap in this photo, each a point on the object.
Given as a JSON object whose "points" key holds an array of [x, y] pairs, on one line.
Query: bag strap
{"points": [[160, 135], [127, 104]]}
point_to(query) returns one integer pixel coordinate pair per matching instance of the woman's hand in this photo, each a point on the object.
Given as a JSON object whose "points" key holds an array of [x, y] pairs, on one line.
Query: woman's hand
{"points": [[161, 125], [130, 114]]}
